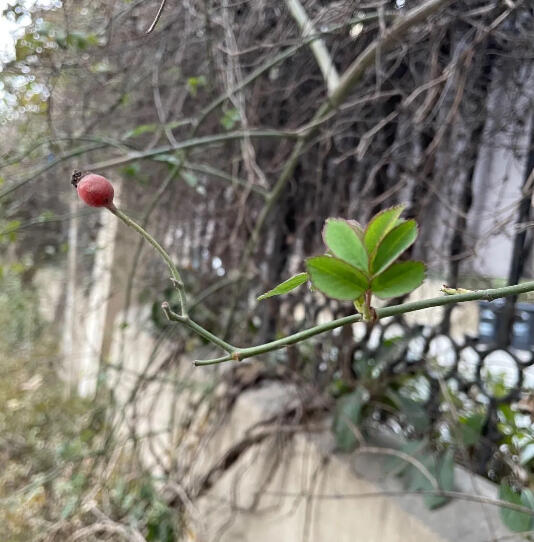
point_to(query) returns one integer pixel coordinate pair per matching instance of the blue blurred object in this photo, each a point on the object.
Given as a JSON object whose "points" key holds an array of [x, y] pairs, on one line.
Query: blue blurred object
{"points": [[490, 318]]}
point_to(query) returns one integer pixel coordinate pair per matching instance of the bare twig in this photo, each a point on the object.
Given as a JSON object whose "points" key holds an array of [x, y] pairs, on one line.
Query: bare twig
{"points": [[318, 47], [403, 493], [401, 455], [156, 18]]}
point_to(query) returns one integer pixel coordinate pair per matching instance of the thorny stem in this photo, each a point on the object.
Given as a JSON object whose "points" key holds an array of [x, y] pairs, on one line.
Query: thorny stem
{"points": [[175, 275], [197, 328], [178, 283], [489, 295]]}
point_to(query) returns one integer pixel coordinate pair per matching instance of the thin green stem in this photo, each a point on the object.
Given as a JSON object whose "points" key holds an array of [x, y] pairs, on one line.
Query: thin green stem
{"points": [[198, 329], [144, 221], [489, 295], [133, 267], [175, 275]]}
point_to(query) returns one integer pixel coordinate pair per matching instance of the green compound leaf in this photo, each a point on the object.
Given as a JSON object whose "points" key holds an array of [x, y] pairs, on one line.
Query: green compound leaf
{"points": [[399, 279], [380, 225], [516, 521], [341, 238], [336, 278], [286, 286], [393, 245]]}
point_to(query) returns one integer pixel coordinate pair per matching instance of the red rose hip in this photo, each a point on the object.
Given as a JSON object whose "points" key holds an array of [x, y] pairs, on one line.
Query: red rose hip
{"points": [[96, 191]]}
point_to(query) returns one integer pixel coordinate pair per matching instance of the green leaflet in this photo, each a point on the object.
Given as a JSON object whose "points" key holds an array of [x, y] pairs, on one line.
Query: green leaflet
{"points": [[336, 278], [286, 286], [343, 241], [399, 279], [380, 225], [393, 245]]}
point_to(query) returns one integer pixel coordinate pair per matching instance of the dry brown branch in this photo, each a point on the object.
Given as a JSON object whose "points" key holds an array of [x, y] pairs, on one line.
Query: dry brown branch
{"points": [[318, 47], [157, 17]]}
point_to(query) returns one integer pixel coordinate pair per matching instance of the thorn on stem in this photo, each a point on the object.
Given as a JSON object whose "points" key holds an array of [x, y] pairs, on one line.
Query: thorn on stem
{"points": [[177, 283], [166, 308], [447, 290]]}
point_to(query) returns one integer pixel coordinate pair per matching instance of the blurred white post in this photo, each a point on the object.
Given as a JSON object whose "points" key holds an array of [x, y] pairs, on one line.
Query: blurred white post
{"points": [[69, 323], [92, 317]]}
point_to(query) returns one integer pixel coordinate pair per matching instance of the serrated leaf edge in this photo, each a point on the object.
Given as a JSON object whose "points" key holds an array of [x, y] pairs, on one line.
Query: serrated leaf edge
{"points": [[353, 224], [425, 269], [371, 260], [402, 207], [358, 271]]}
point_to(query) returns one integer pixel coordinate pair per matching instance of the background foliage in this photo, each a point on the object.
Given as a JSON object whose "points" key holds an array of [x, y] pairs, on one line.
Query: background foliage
{"points": [[196, 124]]}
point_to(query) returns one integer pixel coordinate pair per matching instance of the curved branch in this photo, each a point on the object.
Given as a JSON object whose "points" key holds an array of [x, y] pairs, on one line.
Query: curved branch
{"points": [[190, 143], [156, 18], [318, 47]]}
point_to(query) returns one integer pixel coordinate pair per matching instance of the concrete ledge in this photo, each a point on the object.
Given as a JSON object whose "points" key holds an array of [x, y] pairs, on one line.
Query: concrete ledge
{"points": [[281, 485], [261, 498]]}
